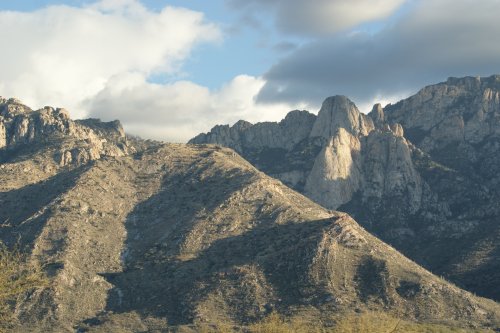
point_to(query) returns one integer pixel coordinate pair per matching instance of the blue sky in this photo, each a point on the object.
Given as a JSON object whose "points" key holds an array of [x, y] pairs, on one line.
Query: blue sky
{"points": [[173, 68], [240, 49]]}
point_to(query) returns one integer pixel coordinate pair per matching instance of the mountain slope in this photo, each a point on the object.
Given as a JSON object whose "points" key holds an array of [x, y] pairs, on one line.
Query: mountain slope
{"points": [[421, 174], [174, 234]]}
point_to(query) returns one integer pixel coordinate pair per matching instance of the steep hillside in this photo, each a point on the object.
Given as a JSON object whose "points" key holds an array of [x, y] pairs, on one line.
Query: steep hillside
{"points": [[421, 174], [171, 234]]}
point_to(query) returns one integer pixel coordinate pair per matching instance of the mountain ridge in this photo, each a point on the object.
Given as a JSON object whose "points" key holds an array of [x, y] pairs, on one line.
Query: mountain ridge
{"points": [[151, 235], [421, 174]]}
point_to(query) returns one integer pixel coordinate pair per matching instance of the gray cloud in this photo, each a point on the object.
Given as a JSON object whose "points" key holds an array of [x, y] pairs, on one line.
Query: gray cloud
{"points": [[285, 46], [307, 17], [434, 40]]}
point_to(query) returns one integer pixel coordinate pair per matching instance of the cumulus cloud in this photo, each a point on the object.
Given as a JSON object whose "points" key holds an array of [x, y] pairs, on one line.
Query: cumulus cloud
{"points": [[179, 111], [96, 61], [320, 16], [62, 55], [434, 40]]}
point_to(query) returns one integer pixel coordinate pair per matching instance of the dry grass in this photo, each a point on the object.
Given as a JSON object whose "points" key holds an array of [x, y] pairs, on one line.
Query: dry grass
{"points": [[376, 322], [16, 277], [368, 322]]}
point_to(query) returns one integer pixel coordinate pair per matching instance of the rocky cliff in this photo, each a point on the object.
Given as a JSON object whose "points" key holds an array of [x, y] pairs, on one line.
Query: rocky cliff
{"points": [[21, 127], [169, 235], [421, 174]]}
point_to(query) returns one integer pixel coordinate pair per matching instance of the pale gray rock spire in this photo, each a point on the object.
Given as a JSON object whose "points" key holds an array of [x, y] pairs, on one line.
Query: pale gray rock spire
{"points": [[340, 112]]}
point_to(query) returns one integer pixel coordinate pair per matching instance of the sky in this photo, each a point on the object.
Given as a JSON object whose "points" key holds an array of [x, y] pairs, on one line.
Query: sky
{"points": [[170, 69]]}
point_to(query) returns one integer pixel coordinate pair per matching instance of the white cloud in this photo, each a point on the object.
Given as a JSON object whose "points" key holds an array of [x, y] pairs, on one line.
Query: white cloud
{"points": [[321, 16], [96, 60], [62, 55], [179, 111]]}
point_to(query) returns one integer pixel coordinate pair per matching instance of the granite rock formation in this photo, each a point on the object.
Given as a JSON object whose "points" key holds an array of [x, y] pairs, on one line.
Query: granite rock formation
{"points": [[421, 174], [162, 236], [21, 127]]}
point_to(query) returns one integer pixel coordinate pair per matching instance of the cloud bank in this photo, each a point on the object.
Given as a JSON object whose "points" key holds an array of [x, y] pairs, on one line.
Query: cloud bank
{"points": [[434, 40], [96, 61], [305, 17], [63, 55], [177, 112]]}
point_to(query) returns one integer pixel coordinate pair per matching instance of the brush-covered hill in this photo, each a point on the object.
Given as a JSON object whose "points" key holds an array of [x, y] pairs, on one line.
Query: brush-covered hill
{"points": [[422, 174], [139, 236]]}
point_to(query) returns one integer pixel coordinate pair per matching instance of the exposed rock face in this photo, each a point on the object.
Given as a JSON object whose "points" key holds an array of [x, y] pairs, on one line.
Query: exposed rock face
{"points": [[422, 174], [243, 135], [377, 115], [180, 234], [457, 111], [388, 169], [19, 125], [336, 174], [376, 166], [339, 112], [337, 142]]}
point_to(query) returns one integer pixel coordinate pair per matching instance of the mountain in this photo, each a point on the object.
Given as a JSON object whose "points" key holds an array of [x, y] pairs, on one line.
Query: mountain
{"points": [[421, 174], [138, 235]]}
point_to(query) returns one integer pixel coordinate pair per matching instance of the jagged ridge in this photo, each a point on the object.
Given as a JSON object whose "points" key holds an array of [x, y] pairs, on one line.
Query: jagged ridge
{"points": [[422, 174], [179, 234]]}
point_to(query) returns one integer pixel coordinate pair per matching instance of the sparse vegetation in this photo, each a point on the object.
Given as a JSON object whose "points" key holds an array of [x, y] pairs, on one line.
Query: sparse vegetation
{"points": [[368, 322], [17, 276]]}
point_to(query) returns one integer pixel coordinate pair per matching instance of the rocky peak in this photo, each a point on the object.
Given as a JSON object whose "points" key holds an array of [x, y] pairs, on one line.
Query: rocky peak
{"points": [[112, 128], [295, 127], [422, 173], [458, 111], [340, 112], [298, 116], [376, 165], [84, 140], [397, 130], [242, 125], [12, 107], [377, 114], [468, 82], [222, 135]]}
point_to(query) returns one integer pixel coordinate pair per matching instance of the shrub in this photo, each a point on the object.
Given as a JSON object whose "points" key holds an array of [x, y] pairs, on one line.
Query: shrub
{"points": [[17, 277]]}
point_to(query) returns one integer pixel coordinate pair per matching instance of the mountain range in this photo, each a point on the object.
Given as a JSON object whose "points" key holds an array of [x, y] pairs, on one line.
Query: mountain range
{"points": [[421, 174], [142, 236]]}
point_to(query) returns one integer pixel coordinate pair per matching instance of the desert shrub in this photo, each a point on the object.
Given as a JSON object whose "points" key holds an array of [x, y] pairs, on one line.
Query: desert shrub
{"points": [[273, 323], [17, 276], [379, 322], [367, 322], [215, 328]]}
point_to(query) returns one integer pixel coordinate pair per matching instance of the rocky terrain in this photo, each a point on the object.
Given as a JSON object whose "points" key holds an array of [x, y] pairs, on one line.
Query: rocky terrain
{"points": [[422, 174], [139, 236]]}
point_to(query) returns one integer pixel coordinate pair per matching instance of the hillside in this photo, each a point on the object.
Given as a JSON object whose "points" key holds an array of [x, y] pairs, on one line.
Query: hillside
{"points": [[421, 174], [137, 236]]}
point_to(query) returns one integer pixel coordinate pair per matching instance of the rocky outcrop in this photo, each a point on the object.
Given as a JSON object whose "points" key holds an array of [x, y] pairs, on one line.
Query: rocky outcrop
{"points": [[339, 138], [336, 174], [465, 110], [423, 174], [339, 112], [243, 135], [90, 139], [377, 115], [388, 169], [224, 135], [376, 165]]}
